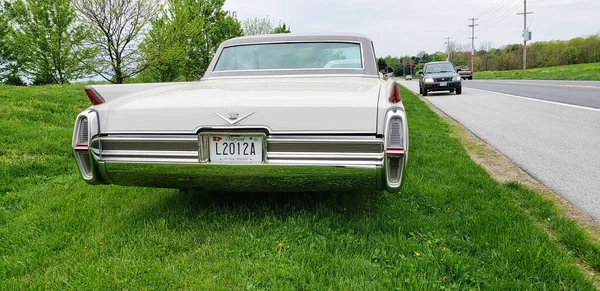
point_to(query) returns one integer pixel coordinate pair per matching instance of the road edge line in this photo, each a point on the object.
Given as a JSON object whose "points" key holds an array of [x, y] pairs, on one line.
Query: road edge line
{"points": [[538, 100]]}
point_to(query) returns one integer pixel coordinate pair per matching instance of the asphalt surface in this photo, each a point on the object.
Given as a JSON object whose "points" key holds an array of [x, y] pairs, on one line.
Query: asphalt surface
{"points": [[549, 130], [579, 93]]}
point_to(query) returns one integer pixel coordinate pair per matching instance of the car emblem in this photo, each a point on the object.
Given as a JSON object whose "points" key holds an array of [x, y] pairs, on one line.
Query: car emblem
{"points": [[233, 117]]}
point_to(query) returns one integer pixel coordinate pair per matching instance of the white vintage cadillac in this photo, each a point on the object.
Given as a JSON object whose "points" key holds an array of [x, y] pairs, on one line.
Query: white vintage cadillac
{"points": [[272, 113]]}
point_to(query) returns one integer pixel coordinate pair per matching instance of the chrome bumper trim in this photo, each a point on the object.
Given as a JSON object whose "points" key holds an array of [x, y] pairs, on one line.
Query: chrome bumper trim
{"points": [[292, 164], [245, 178]]}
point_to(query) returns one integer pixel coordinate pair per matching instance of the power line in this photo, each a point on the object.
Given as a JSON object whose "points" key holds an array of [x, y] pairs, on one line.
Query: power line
{"points": [[504, 16], [504, 12], [491, 9]]}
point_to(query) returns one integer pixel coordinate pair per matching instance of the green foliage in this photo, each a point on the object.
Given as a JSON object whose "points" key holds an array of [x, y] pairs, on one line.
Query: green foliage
{"points": [[590, 72], [395, 65], [282, 28], [47, 41], [381, 65], [452, 228], [5, 28], [257, 26], [418, 67], [14, 79], [182, 42], [572, 54]]}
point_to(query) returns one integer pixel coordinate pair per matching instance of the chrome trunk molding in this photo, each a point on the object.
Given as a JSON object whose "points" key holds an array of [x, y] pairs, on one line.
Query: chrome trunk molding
{"points": [[343, 151]]}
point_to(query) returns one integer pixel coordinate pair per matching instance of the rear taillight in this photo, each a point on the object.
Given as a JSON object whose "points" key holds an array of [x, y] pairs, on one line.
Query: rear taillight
{"points": [[93, 95], [395, 148], [395, 94], [81, 141], [395, 141]]}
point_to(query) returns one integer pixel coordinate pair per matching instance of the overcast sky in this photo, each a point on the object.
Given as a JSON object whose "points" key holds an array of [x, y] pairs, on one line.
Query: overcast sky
{"points": [[405, 27]]}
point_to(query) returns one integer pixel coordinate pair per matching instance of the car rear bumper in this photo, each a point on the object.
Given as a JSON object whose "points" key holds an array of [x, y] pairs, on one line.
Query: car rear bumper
{"points": [[242, 178]]}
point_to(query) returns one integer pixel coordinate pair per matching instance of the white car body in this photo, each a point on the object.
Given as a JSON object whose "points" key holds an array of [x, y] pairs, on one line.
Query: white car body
{"points": [[342, 127]]}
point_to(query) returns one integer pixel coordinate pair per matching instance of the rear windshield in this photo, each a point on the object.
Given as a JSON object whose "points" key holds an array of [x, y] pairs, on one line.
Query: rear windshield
{"points": [[289, 56]]}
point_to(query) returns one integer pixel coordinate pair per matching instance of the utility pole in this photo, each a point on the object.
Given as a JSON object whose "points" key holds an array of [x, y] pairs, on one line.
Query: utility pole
{"points": [[472, 26], [526, 33], [448, 50]]}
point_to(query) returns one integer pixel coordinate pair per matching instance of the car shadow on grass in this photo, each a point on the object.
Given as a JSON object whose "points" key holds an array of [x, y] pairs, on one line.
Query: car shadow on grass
{"points": [[201, 207]]}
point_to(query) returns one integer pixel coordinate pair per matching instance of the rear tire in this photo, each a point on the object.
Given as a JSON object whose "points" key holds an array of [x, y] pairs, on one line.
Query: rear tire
{"points": [[458, 91]]}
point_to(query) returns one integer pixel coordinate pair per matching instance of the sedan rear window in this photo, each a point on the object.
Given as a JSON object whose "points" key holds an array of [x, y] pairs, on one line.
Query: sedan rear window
{"points": [[289, 56]]}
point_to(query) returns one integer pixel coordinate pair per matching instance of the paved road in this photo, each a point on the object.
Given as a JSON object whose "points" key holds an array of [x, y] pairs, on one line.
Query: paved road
{"points": [[556, 141], [580, 93]]}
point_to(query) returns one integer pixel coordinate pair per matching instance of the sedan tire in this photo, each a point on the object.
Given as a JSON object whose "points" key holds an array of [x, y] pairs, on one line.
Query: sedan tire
{"points": [[458, 90], [424, 92]]}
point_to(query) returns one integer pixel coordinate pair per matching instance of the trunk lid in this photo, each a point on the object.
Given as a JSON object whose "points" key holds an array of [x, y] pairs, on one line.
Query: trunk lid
{"points": [[284, 105]]}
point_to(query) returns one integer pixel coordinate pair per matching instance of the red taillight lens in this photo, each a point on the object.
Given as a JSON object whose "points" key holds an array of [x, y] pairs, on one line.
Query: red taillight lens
{"points": [[93, 95], [395, 94]]}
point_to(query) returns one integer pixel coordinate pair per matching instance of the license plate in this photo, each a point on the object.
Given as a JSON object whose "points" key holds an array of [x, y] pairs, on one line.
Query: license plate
{"points": [[443, 84], [236, 149]]}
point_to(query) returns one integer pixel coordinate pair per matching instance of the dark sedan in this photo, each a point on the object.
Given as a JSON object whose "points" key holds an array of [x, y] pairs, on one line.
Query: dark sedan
{"points": [[439, 76]]}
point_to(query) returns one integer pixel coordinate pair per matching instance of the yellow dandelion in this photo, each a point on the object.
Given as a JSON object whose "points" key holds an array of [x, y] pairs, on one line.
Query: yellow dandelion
{"points": [[417, 254], [85, 247], [444, 249], [375, 260], [280, 245], [429, 242]]}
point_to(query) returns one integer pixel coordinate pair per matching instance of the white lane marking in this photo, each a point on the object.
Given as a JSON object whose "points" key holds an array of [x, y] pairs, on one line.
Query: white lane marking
{"points": [[539, 100]]}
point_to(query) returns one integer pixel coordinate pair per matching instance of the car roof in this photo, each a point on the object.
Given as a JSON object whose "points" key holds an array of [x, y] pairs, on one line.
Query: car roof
{"points": [[440, 62], [283, 37]]}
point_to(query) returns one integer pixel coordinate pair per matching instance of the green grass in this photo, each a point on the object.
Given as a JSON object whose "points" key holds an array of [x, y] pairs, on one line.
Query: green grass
{"points": [[453, 227], [585, 72]]}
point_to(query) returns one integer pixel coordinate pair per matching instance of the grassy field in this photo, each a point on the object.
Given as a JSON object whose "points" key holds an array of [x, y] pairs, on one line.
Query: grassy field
{"points": [[587, 72], [453, 227]]}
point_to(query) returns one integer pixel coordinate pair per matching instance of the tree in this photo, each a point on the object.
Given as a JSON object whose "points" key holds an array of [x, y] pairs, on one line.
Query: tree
{"points": [[257, 26], [48, 33], [184, 39], [395, 64], [572, 54], [4, 48], [381, 65], [118, 26], [282, 28]]}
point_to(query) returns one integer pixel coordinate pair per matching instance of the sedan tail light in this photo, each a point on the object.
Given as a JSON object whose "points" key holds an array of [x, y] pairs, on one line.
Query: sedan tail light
{"points": [[94, 96], [86, 128], [395, 94]]}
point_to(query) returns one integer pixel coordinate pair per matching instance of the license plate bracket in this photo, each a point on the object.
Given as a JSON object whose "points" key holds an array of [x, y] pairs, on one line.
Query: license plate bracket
{"points": [[231, 148]]}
